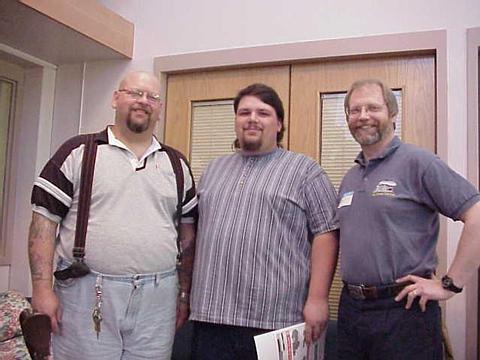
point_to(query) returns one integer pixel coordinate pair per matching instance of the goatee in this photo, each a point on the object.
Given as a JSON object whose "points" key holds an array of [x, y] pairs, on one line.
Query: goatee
{"points": [[138, 127]]}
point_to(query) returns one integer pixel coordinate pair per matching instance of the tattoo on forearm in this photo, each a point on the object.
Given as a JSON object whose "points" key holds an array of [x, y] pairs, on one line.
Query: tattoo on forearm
{"points": [[41, 237], [186, 267]]}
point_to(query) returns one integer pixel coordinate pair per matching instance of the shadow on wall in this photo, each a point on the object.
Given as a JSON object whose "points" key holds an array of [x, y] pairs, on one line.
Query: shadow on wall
{"points": [[183, 341]]}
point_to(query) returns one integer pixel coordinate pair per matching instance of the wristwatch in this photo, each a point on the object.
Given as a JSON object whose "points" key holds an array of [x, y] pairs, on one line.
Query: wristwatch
{"points": [[184, 296], [447, 284]]}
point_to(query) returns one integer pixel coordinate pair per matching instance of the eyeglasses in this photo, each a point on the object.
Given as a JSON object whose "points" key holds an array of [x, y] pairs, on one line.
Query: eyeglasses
{"points": [[369, 108], [138, 94]]}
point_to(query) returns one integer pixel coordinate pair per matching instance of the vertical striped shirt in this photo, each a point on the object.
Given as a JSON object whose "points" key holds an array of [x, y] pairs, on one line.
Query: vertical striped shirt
{"points": [[258, 215]]}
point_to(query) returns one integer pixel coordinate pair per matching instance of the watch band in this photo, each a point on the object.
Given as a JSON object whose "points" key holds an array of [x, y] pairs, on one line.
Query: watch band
{"points": [[183, 296], [447, 284]]}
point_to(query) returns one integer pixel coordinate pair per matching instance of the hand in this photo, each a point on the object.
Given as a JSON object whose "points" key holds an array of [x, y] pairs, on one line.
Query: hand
{"points": [[45, 301], [183, 310], [316, 315], [426, 289]]}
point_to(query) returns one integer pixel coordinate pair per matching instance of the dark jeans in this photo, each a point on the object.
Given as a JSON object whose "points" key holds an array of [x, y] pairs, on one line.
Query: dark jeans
{"points": [[383, 329], [218, 342]]}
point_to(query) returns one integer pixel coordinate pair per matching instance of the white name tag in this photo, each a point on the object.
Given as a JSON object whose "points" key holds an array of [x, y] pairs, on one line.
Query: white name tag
{"points": [[346, 199]]}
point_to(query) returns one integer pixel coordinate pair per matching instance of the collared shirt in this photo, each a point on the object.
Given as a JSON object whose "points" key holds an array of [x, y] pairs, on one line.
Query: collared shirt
{"points": [[257, 215], [388, 212], [130, 227]]}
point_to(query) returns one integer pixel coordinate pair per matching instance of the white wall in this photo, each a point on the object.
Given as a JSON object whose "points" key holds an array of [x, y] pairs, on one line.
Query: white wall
{"points": [[178, 26]]}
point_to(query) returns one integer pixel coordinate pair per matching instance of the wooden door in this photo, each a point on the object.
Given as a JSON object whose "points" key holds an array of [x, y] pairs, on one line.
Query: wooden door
{"points": [[301, 87]]}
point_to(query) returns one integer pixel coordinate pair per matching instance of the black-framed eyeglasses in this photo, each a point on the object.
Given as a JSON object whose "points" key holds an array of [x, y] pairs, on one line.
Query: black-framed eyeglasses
{"points": [[138, 94]]}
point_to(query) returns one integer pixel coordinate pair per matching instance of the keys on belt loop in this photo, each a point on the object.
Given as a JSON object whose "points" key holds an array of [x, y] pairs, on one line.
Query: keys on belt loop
{"points": [[97, 309]]}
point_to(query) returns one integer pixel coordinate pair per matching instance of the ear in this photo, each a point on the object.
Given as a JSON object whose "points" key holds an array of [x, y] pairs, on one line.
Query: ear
{"points": [[394, 123], [114, 99], [279, 126]]}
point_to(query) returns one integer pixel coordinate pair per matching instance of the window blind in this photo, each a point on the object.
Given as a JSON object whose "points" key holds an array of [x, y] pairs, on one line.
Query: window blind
{"points": [[213, 132]]}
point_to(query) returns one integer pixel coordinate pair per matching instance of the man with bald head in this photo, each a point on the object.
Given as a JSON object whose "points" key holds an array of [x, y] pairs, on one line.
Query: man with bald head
{"points": [[130, 301]]}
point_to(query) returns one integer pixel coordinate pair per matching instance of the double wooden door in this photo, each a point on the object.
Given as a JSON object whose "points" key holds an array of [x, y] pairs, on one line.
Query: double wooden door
{"points": [[307, 90]]}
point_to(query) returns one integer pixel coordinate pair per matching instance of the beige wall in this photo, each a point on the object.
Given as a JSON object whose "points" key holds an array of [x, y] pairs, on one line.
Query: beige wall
{"points": [[82, 100]]}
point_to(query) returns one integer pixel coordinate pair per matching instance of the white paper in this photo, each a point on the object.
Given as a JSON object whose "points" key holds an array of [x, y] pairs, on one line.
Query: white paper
{"points": [[289, 344]]}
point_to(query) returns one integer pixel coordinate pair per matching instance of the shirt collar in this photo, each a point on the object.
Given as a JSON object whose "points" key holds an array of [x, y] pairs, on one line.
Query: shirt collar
{"points": [[112, 140], [391, 148]]}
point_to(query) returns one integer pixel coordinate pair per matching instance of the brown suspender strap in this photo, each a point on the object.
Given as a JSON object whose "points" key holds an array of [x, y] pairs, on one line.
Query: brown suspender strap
{"points": [[88, 168], [179, 179]]}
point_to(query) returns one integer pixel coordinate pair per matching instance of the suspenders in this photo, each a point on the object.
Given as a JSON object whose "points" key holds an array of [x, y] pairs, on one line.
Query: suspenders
{"points": [[85, 195], [174, 157], [79, 268]]}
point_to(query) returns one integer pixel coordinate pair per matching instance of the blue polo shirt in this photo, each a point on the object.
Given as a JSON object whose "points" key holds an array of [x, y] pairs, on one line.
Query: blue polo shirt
{"points": [[389, 213]]}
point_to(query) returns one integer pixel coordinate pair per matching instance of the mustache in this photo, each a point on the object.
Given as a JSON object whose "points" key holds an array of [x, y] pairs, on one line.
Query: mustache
{"points": [[252, 127], [145, 108]]}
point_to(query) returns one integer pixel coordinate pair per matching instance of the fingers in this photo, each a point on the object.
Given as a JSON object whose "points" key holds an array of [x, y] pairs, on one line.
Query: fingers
{"points": [[308, 334], [409, 278], [313, 332], [423, 303], [410, 298], [182, 314], [411, 292], [55, 324], [180, 322], [405, 291]]}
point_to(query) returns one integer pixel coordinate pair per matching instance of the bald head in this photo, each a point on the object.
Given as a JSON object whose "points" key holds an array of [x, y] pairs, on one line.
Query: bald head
{"points": [[135, 77]]}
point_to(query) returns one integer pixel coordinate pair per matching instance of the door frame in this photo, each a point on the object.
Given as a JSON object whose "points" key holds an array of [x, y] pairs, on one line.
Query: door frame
{"points": [[473, 119], [379, 45], [434, 41]]}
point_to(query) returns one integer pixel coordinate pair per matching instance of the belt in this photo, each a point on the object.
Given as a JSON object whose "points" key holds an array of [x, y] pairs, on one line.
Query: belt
{"points": [[365, 292]]}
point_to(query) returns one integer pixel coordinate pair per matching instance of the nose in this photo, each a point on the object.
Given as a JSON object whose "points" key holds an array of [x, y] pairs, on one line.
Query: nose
{"points": [[363, 112], [143, 98], [253, 116]]}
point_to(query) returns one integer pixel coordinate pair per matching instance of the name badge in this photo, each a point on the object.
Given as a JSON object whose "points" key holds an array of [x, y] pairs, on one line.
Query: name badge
{"points": [[346, 199]]}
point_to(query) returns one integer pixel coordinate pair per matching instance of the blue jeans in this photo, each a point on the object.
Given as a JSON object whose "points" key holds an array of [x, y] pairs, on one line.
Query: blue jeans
{"points": [[383, 329], [223, 342], [138, 312]]}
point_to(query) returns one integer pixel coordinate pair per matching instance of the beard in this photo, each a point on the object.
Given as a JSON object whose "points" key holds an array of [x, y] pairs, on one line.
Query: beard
{"points": [[364, 138], [367, 139], [138, 127], [251, 145]]}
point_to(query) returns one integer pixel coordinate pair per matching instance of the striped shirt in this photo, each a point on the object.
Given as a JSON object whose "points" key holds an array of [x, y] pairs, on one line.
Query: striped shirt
{"points": [[257, 216], [130, 227]]}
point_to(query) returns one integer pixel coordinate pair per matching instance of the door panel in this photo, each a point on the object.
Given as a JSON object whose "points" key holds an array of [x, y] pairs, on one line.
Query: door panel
{"points": [[183, 89], [415, 76]]}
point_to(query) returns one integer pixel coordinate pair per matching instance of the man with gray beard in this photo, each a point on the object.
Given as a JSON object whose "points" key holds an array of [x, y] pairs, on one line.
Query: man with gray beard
{"points": [[389, 206], [129, 303]]}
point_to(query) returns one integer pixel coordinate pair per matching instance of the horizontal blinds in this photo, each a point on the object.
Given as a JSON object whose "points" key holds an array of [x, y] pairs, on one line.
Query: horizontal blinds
{"points": [[338, 150], [213, 132]]}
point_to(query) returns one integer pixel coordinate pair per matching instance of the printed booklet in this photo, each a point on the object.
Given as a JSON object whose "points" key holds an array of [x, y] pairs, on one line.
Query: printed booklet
{"points": [[289, 344]]}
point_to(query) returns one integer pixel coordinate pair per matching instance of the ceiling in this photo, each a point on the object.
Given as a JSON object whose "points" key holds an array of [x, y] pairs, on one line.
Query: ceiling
{"points": [[31, 32]]}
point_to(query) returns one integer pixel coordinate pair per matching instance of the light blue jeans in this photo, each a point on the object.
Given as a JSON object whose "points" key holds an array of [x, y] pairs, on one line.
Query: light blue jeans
{"points": [[138, 314]]}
